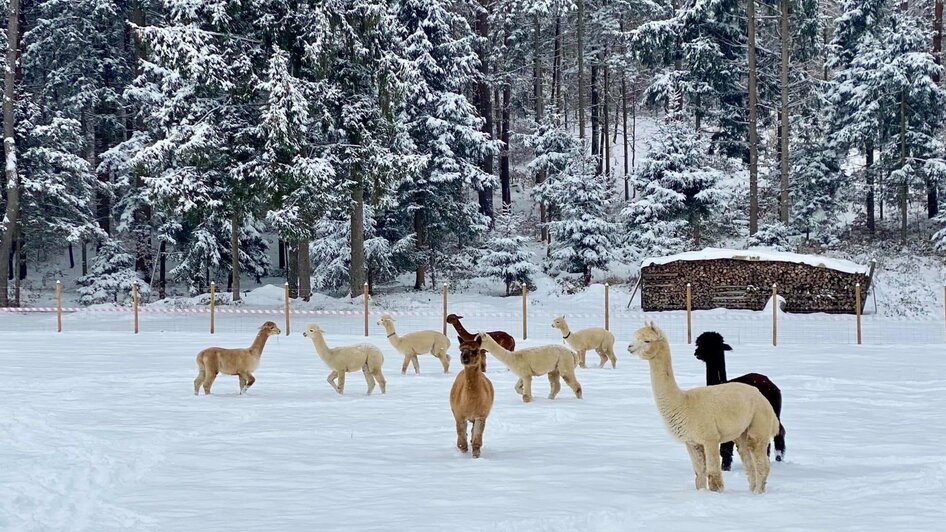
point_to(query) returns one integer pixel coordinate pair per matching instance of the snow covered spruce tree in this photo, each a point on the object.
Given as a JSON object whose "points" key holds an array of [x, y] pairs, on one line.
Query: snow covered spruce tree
{"points": [[111, 276], [506, 256], [817, 180], [553, 147]]}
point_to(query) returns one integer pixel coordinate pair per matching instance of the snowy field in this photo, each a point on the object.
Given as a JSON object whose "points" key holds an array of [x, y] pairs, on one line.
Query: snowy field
{"points": [[102, 432]]}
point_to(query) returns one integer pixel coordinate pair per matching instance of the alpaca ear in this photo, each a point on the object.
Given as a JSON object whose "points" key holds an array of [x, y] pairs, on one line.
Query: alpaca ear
{"points": [[726, 347]]}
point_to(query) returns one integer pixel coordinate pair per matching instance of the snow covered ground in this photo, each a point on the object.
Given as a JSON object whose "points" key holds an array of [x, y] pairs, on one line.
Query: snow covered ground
{"points": [[101, 432]]}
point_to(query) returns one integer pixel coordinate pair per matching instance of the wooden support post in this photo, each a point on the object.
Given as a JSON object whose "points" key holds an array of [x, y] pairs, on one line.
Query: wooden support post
{"points": [[365, 293], [774, 315], [285, 291], [213, 305], [444, 324], [857, 310], [607, 307], [134, 304], [525, 312], [58, 306], [689, 315]]}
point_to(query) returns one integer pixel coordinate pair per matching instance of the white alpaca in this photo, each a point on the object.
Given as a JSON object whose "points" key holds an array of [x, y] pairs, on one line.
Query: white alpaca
{"points": [[601, 340], [554, 360], [417, 343], [704, 417], [347, 359]]}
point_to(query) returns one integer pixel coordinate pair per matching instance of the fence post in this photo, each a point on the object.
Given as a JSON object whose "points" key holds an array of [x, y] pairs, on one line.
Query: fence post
{"points": [[58, 306], [285, 291], [689, 315], [444, 324], [365, 293], [607, 307], [525, 314], [134, 304], [213, 304], [774, 315], [857, 310]]}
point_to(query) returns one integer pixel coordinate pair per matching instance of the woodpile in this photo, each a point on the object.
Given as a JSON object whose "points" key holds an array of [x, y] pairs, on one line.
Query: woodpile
{"points": [[737, 283]]}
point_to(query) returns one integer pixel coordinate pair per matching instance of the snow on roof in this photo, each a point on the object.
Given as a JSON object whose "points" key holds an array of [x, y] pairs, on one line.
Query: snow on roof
{"points": [[761, 254]]}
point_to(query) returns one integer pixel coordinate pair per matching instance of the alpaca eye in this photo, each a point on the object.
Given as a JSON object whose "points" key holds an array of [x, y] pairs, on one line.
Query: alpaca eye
{"points": [[646, 341]]}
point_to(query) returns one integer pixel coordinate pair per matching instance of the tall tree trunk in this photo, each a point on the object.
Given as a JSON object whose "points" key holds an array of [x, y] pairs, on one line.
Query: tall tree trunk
{"points": [[627, 155], [420, 234], [605, 123], [786, 43], [557, 65], [357, 273], [84, 257], [869, 172], [539, 99], [753, 120], [595, 143], [143, 212], [292, 268], [72, 257], [235, 255], [485, 107], [932, 186], [12, 181], [904, 186], [504, 177], [162, 270], [282, 254], [305, 271], [581, 68]]}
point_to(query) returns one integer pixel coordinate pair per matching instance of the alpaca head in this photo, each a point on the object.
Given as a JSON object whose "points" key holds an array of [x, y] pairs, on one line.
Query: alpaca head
{"points": [[470, 352], [559, 323], [453, 319], [311, 330], [270, 328], [645, 341], [710, 347], [386, 321]]}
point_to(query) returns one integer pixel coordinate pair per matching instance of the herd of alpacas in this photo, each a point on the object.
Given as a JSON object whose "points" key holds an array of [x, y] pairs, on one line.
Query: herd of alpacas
{"points": [[744, 411]]}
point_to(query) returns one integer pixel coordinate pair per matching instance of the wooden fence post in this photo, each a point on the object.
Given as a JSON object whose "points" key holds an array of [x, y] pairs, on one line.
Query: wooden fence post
{"points": [[285, 290], [689, 315], [58, 306], [365, 293], [444, 324], [213, 304], [607, 307], [857, 310], [774, 315], [134, 304], [525, 312]]}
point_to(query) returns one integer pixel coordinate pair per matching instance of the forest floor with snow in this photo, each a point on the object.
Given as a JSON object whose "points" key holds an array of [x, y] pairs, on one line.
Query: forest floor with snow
{"points": [[102, 432]]}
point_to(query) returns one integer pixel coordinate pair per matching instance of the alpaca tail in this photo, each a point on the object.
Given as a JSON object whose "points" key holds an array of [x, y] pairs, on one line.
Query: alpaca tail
{"points": [[780, 443]]}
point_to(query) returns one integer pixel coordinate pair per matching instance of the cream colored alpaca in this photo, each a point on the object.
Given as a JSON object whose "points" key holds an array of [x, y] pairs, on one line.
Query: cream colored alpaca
{"points": [[417, 343], [242, 362], [704, 417], [347, 359], [554, 360], [601, 340]]}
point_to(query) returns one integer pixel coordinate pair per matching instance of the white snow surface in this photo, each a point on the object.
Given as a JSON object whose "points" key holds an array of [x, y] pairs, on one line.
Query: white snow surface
{"points": [[761, 254], [102, 433]]}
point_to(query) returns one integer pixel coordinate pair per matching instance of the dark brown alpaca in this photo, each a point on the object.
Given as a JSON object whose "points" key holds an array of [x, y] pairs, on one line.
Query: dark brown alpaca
{"points": [[471, 397], [503, 339]]}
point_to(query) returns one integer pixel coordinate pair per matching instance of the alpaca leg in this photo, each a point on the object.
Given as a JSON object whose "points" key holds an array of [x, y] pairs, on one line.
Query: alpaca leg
{"points": [[555, 384], [209, 382], [725, 452], [698, 460], [369, 379], [581, 359], [519, 387], [714, 475], [380, 378], [612, 357], [341, 382], [780, 443], [250, 379], [479, 425], [407, 360], [242, 383], [331, 380], [461, 435], [527, 388], [444, 360], [762, 464], [748, 462], [415, 364], [198, 381], [572, 383], [603, 358]]}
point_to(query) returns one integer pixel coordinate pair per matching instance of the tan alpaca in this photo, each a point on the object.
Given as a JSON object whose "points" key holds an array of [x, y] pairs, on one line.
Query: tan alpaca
{"points": [[471, 397], [347, 359], [704, 417], [601, 340], [242, 362], [417, 343], [554, 360]]}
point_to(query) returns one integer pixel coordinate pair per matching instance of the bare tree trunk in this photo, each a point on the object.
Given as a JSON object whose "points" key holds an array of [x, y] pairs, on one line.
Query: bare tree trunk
{"points": [[581, 68], [292, 269], [786, 41], [557, 65], [627, 177], [485, 107], [143, 213], [932, 186], [162, 270], [420, 232], [10, 221], [753, 120], [540, 99], [504, 178], [305, 271], [84, 258], [235, 256], [605, 124], [357, 273], [904, 187], [869, 171], [595, 126], [282, 254]]}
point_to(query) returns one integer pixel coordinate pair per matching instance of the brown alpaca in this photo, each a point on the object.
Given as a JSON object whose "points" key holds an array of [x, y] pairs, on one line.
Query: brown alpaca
{"points": [[503, 339], [242, 362], [471, 397]]}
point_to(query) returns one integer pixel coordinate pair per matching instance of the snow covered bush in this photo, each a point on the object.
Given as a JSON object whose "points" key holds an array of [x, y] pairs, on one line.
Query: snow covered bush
{"points": [[774, 235], [111, 276], [506, 257]]}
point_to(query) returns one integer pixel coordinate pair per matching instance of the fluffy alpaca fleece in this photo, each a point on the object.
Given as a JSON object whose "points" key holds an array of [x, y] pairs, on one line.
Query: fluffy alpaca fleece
{"points": [[597, 338], [242, 362], [554, 360], [702, 418], [347, 359], [417, 343], [711, 349], [471, 397]]}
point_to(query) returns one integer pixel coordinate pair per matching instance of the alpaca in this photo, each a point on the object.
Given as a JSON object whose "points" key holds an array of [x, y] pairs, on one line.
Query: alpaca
{"points": [[504, 339], [346, 359], [554, 360], [471, 397], [416, 343], [704, 417], [597, 338], [711, 349], [242, 362]]}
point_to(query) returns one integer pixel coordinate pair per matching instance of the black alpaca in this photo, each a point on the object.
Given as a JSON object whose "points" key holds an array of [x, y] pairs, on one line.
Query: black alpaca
{"points": [[711, 349]]}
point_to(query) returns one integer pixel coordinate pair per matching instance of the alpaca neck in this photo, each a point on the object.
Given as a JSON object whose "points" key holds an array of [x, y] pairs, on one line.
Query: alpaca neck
{"points": [[471, 375], [506, 357], [715, 371], [389, 331], [461, 330], [666, 392], [566, 332], [320, 346], [259, 343]]}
